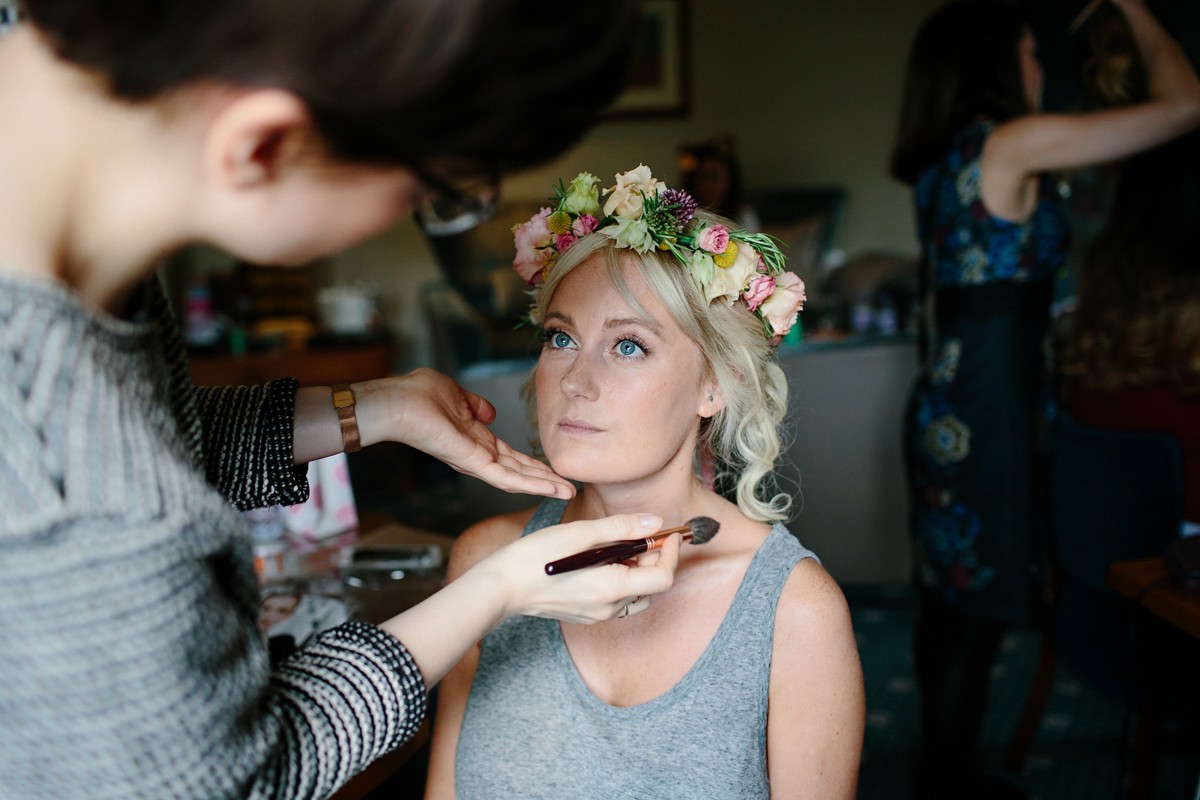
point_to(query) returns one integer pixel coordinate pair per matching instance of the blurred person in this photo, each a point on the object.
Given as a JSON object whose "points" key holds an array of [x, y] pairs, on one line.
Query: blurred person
{"points": [[711, 173], [978, 152], [743, 680], [278, 132], [1129, 353]]}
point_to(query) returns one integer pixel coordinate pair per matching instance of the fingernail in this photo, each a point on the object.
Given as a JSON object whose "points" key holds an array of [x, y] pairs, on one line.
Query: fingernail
{"points": [[650, 521]]}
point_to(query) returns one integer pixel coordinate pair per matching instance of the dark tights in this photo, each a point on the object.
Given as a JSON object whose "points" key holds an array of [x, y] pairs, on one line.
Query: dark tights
{"points": [[954, 653]]}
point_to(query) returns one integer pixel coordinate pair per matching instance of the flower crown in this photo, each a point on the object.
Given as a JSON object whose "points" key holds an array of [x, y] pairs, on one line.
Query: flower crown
{"points": [[643, 214]]}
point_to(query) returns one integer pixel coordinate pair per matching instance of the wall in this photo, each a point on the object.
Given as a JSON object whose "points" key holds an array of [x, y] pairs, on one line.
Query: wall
{"points": [[809, 87]]}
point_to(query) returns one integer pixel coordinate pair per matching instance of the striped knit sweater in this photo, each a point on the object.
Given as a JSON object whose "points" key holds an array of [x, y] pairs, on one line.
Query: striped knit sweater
{"points": [[130, 663]]}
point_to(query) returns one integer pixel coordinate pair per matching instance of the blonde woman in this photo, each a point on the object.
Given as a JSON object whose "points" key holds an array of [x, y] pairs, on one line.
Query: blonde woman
{"points": [[742, 680]]}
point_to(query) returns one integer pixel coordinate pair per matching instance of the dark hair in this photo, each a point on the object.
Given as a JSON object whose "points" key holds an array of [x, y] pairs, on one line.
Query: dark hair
{"points": [[1137, 321], [691, 156], [963, 65], [501, 83]]}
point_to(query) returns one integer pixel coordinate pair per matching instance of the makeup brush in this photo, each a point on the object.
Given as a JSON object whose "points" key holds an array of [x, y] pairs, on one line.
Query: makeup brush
{"points": [[697, 530]]}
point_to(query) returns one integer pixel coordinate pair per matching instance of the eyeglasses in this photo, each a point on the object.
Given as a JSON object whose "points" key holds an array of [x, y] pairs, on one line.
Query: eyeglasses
{"points": [[457, 206]]}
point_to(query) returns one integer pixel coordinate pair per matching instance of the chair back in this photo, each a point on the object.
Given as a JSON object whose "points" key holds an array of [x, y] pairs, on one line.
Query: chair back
{"points": [[1115, 496]]}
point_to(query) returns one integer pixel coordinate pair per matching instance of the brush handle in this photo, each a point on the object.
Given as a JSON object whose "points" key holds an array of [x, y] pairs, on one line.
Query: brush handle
{"points": [[604, 554], [614, 551]]}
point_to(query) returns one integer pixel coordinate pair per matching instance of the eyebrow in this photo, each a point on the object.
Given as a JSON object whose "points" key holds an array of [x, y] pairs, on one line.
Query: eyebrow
{"points": [[654, 327]]}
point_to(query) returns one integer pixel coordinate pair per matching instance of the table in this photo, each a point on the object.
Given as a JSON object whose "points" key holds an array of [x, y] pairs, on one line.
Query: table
{"points": [[1164, 598], [1146, 583], [325, 366]]}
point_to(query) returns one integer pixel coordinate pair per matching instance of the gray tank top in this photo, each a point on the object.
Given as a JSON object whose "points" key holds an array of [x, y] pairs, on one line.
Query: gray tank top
{"points": [[533, 729]]}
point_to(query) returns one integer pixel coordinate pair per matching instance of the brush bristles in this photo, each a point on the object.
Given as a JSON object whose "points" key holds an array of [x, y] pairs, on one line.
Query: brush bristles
{"points": [[703, 529]]}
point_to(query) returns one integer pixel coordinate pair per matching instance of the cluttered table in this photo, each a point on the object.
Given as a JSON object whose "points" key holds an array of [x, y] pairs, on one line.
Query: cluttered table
{"points": [[380, 570]]}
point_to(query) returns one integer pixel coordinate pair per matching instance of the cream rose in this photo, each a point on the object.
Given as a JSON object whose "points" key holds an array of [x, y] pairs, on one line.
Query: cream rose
{"points": [[731, 281], [628, 196]]}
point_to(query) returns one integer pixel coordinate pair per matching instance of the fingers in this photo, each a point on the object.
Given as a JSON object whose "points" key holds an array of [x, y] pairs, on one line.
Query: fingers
{"points": [[634, 605], [517, 472], [577, 536], [481, 409]]}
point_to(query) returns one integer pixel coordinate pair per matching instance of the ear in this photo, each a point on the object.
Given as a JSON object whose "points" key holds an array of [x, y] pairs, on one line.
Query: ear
{"points": [[255, 137], [712, 399]]}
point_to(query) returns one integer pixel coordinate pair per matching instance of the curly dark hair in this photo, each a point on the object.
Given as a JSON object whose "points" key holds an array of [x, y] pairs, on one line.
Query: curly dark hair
{"points": [[387, 81], [1137, 322]]}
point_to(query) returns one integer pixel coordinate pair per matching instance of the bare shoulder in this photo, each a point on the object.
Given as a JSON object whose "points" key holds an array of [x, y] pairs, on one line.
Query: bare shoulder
{"points": [[812, 611], [484, 538]]}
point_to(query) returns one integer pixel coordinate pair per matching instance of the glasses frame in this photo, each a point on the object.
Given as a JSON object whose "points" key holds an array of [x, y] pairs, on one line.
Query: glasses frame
{"points": [[477, 206]]}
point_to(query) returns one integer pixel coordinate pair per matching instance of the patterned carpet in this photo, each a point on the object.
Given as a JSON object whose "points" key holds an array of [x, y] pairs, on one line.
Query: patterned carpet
{"points": [[1077, 753]]}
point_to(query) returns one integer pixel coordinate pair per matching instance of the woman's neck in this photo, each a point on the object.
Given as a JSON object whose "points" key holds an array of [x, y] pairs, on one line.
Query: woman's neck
{"points": [[90, 191], [674, 494]]}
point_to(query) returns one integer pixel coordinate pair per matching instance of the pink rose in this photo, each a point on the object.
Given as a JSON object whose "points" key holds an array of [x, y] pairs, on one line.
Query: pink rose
{"points": [[533, 241], [783, 305], [760, 289], [584, 224], [564, 241], [714, 240]]}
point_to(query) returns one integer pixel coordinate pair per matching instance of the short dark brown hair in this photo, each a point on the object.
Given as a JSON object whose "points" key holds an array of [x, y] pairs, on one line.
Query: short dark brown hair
{"points": [[963, 66], [501, 83]]}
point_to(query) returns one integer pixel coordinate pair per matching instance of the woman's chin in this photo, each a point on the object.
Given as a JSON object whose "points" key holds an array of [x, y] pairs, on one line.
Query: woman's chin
{"points": [[586, 470]]}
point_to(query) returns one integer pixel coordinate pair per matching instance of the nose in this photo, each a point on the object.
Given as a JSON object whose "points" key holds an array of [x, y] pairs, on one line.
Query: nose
{"points": [[580, 379]]}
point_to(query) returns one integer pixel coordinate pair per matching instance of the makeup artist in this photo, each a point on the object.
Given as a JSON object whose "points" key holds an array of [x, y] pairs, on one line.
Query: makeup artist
{"points": [[130, 664], [977, 150]]}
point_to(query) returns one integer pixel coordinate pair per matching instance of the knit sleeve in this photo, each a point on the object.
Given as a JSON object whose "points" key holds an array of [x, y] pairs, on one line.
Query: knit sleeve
{"points": [[247, 443], [133, 668]]}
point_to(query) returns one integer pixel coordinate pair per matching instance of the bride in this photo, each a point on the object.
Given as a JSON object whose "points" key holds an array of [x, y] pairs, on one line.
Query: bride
{"points": [[743, 679]]}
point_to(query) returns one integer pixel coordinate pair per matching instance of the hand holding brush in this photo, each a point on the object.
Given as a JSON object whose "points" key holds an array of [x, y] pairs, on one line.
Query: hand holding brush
{"points": [[697, 530]]}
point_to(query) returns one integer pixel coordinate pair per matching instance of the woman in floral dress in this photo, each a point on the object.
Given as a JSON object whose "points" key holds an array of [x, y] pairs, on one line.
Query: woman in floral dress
{"points": [[978, 154]]}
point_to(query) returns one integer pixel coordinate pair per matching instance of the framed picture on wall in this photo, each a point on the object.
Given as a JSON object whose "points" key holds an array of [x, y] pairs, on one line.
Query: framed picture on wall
{"points": [[659, 80]]}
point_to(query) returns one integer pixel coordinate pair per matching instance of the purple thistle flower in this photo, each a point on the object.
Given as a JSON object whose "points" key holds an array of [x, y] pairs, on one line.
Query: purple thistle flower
{"points": [[681, 204]]}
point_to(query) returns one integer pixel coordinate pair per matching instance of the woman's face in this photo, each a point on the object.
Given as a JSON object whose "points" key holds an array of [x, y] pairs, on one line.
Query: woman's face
{"points": [[1031, 70], [619, 398]]}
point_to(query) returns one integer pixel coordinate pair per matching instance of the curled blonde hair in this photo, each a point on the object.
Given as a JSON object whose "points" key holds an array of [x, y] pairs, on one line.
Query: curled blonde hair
{"points": [[745, 437]]}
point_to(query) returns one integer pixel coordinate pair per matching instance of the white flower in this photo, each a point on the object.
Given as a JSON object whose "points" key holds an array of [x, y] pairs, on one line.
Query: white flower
{"points": [[632, 233], [582, 195], [627, 197], [702, 268], [731, 281]]}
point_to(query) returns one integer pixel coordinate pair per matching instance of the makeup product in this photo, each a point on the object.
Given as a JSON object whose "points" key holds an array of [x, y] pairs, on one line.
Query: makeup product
{"points": [[697, 530]]}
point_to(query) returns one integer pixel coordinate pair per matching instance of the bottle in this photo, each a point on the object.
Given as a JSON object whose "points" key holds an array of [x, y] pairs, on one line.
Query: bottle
{"points": [[200, 327], [862, 317], [887, 320]]}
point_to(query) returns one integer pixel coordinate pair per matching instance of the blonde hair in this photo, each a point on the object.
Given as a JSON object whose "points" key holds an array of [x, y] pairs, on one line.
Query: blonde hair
{"points": [[745, 437]]}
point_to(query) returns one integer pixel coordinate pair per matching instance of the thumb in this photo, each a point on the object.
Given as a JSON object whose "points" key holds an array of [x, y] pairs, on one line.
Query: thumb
{"points": [[481, 409]]}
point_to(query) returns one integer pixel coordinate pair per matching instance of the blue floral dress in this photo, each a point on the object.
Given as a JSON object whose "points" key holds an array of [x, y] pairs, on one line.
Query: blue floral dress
{"points": [[970, 427]]}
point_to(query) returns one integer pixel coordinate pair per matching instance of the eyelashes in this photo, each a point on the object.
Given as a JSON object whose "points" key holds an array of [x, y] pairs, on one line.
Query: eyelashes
{"points": [[547, 335]]}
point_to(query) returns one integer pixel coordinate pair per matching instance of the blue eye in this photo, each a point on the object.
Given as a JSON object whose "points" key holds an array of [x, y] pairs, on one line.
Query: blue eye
{"points": [[560, 340], [629, 348]]}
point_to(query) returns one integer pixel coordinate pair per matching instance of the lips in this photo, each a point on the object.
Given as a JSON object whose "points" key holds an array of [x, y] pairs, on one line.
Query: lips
{"points": [[577, 427]]}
